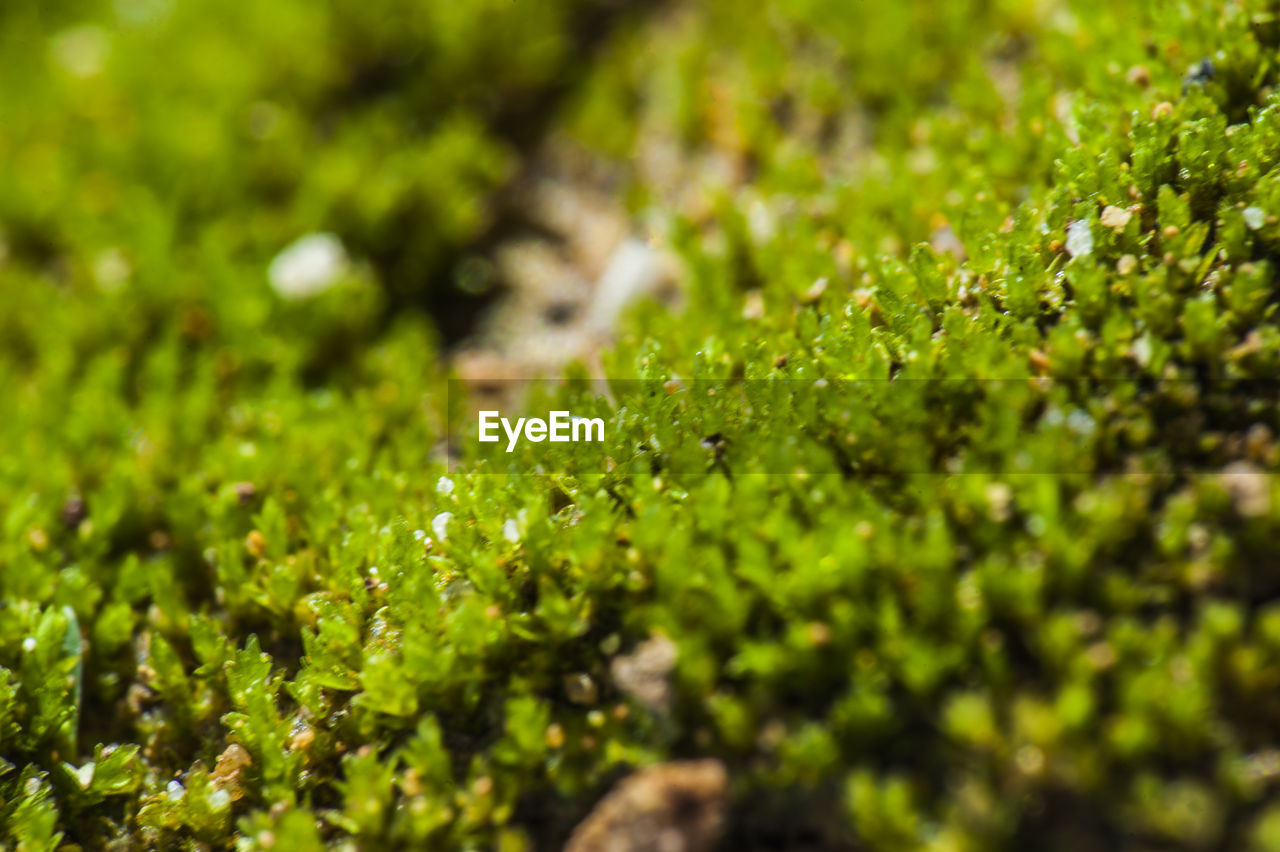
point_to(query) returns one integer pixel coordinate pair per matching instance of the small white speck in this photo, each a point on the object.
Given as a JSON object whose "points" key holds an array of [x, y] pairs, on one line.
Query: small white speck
{"points": [[1079, 238], [444, 485], [440, 525], [219, 799], [29, 644], [511, 531], [633, 269], [1254, 217], [308, 267], [175, 791], [419, 535], [1141, 350], [85, 774]]}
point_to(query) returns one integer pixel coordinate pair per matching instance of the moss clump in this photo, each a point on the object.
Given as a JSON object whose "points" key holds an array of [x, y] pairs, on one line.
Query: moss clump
{"points": [[242, 603]]}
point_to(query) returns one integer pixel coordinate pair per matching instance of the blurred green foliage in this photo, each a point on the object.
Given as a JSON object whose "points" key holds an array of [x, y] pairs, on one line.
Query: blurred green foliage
{"points": [[243, 605]]}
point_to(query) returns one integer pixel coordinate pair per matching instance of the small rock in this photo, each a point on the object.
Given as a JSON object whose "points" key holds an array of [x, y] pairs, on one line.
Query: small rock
{"points": [[1115, 217], [1249, 488], [1260, 444], [227, 773], [308, 267], [672, 807], [999, 499], [634, 269], [644, 674], [943, 240], [1079, 238], [218, 799], [1254, 217], [814, 293], [1139, 76], [1141, 351]]}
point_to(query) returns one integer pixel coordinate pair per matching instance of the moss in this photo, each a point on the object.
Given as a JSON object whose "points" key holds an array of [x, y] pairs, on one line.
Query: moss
{"points": [[243, 602]]}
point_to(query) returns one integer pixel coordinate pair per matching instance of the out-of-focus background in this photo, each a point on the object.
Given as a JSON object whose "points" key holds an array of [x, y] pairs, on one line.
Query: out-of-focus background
{"points": [[161, 153]]}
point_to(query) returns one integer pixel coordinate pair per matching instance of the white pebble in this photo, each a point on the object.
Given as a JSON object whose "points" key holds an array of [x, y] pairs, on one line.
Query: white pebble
{"points": [[1079, 238], [444, 485], [29, 644], [308, 267], [1115, 217], [511, 531], [219, 799], [175, 791], [1141, 350], [1254, 217], [633, 269], [440, 525]]}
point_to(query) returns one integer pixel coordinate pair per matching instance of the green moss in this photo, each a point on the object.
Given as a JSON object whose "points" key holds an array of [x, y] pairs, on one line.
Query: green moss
{"points": [[226, 532]]}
